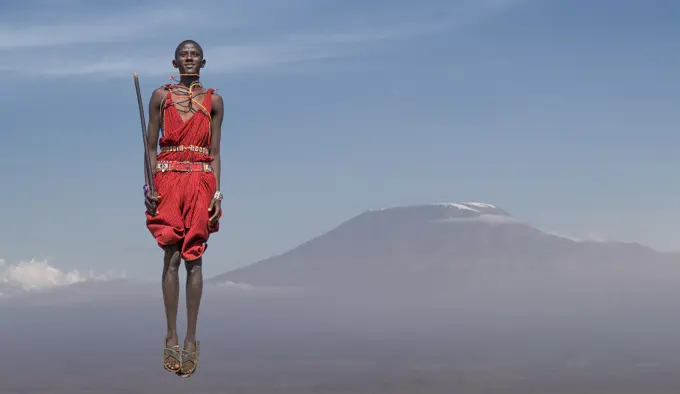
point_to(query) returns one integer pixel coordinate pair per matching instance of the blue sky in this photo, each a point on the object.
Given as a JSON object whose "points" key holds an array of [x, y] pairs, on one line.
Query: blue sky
{"points": [[560, 111]]}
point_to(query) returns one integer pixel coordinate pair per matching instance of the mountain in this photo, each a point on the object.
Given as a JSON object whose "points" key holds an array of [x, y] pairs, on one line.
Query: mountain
{"points": [[433, 245]]}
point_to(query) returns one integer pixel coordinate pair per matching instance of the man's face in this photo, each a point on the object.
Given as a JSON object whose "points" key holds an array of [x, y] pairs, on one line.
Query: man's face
{"points": [[189, 59]]}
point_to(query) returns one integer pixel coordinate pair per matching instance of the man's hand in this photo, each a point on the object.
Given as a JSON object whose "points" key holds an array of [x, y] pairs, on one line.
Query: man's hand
{"points": [[151, 202], [215, 210]]}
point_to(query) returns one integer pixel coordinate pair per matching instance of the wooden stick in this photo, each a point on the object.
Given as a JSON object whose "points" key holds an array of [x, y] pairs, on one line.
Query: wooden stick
{"points": [[148, 173]]}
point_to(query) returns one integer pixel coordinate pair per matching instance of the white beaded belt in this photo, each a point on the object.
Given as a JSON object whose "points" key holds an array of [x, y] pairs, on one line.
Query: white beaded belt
{"points": [[182, 148], [182, 166]]}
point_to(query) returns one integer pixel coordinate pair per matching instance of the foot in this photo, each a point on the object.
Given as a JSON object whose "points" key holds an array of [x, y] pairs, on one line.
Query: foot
{"points": [[189, 358], [171, 354]]}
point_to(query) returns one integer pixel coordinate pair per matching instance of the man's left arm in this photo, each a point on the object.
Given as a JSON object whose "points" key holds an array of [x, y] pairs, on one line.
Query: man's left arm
{"points": [[215, 139]]}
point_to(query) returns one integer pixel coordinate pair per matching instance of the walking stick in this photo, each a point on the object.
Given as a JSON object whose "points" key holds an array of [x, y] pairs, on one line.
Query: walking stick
{"points": [[148, 174]]}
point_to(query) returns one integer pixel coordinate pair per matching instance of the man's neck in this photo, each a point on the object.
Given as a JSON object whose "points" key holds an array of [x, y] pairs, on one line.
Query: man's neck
{"points": [[187, 80]]}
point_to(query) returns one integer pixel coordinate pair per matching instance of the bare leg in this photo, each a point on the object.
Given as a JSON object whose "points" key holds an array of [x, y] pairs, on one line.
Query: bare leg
{"points": [[194, 289], [194, 292], [170, 279]]}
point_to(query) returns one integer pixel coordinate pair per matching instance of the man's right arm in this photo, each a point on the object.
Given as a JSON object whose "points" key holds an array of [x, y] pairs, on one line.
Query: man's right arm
{"points": [[153, 129]]}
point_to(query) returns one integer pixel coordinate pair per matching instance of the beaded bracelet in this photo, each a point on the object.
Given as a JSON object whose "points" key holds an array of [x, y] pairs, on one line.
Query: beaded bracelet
{"points": [[218, 196]]}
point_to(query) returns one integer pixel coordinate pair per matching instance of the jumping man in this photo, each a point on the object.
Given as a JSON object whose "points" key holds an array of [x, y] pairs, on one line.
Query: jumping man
{"points": [[185, 208]]}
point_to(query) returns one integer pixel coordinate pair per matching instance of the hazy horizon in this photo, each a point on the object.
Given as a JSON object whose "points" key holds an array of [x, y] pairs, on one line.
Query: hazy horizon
{"points": [[495, 329], [37, 274]]}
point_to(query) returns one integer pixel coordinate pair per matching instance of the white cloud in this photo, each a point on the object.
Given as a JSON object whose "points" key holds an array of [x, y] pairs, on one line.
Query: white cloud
{"points": [[39, 275], [259, 35], [40, 278]]}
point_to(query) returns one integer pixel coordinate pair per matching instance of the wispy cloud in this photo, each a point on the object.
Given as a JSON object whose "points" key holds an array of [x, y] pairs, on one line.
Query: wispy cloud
{"points": [[237, 35], [97, 30]]}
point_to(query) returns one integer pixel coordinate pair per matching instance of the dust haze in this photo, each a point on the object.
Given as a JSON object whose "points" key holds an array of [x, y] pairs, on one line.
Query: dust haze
{"points": [[417, 303]]}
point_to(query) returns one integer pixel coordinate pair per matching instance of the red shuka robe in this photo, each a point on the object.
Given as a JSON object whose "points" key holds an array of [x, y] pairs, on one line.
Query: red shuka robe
{"points": [[182, 213]]}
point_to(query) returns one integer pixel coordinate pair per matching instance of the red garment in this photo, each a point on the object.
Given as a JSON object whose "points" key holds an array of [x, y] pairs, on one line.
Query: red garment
{"points": [[185, 197]]}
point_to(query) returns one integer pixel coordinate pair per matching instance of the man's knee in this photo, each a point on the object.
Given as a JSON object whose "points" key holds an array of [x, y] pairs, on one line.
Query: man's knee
{"points": [[194, 266], [173, 257]]}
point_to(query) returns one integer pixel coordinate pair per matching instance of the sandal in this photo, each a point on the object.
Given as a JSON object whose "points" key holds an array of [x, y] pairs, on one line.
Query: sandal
{"points": [[191, 357], [171, 357]]}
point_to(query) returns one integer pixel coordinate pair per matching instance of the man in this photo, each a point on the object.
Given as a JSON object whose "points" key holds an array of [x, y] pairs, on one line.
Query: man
{"points": [[185, 208]]}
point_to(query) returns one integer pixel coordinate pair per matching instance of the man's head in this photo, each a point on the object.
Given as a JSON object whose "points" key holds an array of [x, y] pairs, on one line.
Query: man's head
{"points": [[189, 57]]}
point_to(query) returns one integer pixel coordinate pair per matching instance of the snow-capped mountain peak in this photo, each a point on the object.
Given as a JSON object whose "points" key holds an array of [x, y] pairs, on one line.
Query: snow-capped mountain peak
{"points": [[450, 209]]}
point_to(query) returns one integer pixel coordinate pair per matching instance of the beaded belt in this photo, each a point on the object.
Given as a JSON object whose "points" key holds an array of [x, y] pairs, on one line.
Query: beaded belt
{"points": [[182, 166], [182, 148]]}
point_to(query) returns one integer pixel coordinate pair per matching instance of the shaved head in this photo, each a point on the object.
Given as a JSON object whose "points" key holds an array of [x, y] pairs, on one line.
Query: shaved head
{"points": [[187, 42], [188, 57]]}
